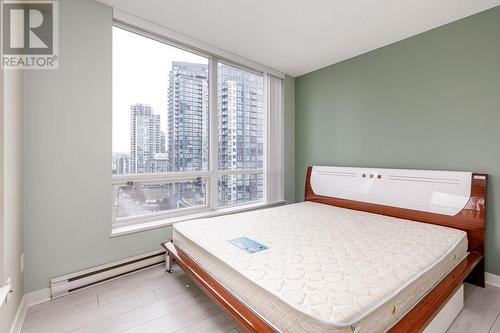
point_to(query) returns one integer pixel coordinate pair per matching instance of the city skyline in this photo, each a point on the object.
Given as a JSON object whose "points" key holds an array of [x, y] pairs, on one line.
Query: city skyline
{"points": [[166, 127], [185, 146], [237, 89], [145, 83]]}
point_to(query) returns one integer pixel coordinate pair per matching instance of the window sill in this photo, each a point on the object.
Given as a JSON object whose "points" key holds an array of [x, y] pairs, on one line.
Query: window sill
{"points": [[130, 229]]}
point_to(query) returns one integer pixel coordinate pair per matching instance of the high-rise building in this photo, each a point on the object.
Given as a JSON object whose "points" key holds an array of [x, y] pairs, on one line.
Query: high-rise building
{"points": [[188, 123], [121, 164], [241, 134], [188, 117], [240, 119], [147, 141]]}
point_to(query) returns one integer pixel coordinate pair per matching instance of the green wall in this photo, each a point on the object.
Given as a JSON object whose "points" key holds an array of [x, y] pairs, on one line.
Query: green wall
{"points": [[431, 102], [67, 138]]}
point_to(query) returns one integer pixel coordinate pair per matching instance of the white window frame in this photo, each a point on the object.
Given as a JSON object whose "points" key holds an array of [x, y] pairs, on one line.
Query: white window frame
{"points": [[138, 223]]}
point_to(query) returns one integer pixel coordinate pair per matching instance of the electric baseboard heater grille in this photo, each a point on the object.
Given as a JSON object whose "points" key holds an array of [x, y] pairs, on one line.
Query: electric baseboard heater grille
{"points": [[68, 283]]}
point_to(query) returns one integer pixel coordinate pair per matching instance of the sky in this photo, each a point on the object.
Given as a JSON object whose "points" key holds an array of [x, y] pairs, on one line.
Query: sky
{"points": [[140, 75]]}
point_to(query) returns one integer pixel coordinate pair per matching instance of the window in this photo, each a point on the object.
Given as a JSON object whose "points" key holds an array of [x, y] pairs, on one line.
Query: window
{"points": [[181, 145]]}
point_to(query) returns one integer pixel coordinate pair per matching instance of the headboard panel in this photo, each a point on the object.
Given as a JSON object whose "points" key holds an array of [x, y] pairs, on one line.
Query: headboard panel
{"points": [[440, 192], [452, 199]]}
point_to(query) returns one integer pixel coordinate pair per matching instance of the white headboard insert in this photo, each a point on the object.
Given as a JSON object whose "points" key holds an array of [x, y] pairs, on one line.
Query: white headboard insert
{"points": [[441, 192]]}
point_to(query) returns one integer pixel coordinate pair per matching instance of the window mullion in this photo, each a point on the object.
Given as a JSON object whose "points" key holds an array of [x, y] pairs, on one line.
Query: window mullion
{"points": [[267, 148], [172, 176], [240, 172], [214, 133]]}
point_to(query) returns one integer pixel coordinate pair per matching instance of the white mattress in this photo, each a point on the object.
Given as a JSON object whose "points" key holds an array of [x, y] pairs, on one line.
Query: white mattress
{"points": [[326, 269]]}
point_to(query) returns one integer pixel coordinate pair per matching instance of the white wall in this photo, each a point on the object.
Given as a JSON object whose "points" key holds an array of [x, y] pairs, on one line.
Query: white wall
{"points": [[11, 196]]}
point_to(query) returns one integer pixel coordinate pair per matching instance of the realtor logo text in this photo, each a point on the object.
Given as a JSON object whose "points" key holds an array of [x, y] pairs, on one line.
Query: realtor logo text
{"points": [[29, 34]]}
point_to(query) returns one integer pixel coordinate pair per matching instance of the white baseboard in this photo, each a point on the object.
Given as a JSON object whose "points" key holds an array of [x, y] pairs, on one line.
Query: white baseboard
{"points": [[37, 297], [28, 300], [17, 324], [492, 280]]}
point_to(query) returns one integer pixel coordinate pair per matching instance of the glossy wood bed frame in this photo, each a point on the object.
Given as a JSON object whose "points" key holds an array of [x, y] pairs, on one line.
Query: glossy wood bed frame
{"points": [[470, 219]]}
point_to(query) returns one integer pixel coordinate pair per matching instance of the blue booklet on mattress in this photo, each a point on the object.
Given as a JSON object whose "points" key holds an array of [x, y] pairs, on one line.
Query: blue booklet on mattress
{"points": [[248, 244]]}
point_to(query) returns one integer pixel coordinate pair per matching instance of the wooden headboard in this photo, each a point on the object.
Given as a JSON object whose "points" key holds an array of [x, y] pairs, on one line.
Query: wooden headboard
{"points": [[447, 198]]}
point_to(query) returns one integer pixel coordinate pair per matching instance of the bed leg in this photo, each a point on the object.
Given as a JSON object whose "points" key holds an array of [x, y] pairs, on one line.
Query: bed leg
{"points": [[168, 263]]}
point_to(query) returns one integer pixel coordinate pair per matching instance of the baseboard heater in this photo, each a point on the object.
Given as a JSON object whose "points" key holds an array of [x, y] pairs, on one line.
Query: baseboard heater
{"points": [[66, 284]]}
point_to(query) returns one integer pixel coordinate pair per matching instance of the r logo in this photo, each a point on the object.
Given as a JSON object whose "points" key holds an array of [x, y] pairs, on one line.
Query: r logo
{"points": [[28, 28]]}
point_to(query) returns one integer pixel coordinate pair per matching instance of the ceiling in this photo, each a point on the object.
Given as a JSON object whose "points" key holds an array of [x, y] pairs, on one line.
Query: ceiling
{"points": [[299, 36]]}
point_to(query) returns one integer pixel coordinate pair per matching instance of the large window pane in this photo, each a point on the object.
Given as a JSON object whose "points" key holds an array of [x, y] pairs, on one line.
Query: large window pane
{"points": [[160, 107], [156, 197], [240, 112], [239, 189], [161, 125]]}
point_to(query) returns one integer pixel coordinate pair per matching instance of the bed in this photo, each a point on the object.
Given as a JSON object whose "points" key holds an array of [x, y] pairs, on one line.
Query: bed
{"points": [[369, 250]]}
